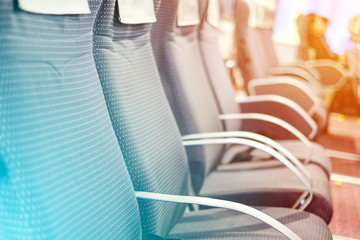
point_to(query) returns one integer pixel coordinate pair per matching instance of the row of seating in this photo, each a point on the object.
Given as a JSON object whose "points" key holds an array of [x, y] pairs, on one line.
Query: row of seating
{"points": [[311, 84], [97, 105], [194, 106]]}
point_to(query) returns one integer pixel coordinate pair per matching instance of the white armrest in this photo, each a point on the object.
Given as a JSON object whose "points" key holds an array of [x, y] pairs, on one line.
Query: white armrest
{"points": [[308, 67], [307, 98], [282, 101], [327, 62], [274, 120], [252, 136], [211, 202], [297, 72], [304, 199], [335, 74]]}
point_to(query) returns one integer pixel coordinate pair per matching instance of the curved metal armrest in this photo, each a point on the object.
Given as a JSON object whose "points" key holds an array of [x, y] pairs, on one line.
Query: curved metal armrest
{"points": [[253, 104], [307, 67], [328, 63], [274, 120], [252, 136], [304, 199], [297, 72], [332, 72], [211, 202], [287, 87]]}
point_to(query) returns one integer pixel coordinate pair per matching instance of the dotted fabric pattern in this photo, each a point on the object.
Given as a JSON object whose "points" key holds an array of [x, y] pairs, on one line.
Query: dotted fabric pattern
{"points": [[184, 79], [253, 64], [148, 136], [268, 183], [224, 91], [230, 225], [145, 128], [217, 74], [62, 175], [195, 112]]}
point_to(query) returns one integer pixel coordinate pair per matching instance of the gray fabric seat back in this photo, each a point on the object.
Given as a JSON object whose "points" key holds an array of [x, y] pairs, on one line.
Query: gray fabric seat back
{"points": [[62, 175], [217, 73], [263, 38], [269, 9], [247, 42], [185, 82], [142, 119]]}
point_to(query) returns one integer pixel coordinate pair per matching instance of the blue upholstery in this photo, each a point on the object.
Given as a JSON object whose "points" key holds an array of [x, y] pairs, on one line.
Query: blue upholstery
{"points": [[144, 126], [62, 174], [149, 138], [61, 170]]}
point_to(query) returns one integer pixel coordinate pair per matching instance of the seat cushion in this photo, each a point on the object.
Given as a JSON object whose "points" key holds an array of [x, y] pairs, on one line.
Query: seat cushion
{"points": [[227, 224], [267, 184], [299, 150]]}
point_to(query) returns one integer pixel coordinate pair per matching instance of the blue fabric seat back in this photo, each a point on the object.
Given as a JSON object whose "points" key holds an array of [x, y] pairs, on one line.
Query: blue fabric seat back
{"points": [[143, 122], [62, 175], [186, 86]]}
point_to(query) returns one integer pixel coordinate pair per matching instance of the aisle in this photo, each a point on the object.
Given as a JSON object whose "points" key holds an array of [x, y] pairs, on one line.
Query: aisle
{"points": [[343, 144]]}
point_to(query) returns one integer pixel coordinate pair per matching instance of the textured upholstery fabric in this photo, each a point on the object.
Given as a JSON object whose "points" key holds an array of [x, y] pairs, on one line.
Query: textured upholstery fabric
{"points": [[267, 34], [225, 224], [253, 62], [142, 120], [178, 57], [318, 154], [62, 174], [267, 184], [180, 65], [216, 74], [220, 82], [143, 123], [61, 170]]}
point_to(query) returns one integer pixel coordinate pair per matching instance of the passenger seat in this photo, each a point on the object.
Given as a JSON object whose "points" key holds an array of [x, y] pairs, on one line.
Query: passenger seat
{"points": [[62, 173]]}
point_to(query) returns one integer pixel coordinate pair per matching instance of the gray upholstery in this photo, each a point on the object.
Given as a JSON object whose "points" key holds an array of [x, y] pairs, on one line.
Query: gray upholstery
{"points": [[246, 43], [223, 91], [182, 73], [254, 60], [220, 82], [183, 95], [318, 154], [205, 224], [270, 185], [219, 78], [62, 175], [146, 130], [142, 120], [256, 41]]}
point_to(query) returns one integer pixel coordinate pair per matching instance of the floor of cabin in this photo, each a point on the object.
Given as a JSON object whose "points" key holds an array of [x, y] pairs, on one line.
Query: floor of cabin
{"points": [[342, 142]]}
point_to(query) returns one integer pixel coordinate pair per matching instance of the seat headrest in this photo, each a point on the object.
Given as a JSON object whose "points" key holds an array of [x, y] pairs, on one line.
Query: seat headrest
{"points": [[213, 15], [188, 13], [55, 7], [136, 12]]}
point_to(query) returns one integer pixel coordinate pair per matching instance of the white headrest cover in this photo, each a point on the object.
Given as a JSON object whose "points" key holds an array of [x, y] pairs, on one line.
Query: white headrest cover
{"points": [[213, 16], [136, 11], [188, 13], [55, 7]]}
